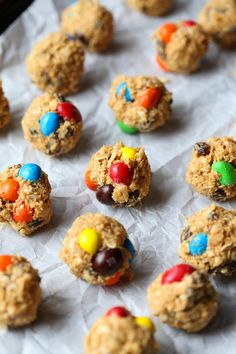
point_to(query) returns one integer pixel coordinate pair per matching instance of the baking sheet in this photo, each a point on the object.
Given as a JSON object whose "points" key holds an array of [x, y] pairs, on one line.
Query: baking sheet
{"points": [[204, 105]]}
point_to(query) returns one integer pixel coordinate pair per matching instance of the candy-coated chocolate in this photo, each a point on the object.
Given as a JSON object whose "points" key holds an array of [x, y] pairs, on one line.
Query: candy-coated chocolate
{"points": [[89, 183], [118, 311], [5, 261], [9, 190], [166, 32], [145, 322], [23, 213], [189, 23], [128, 153], [162, 64], [150, 98], [89, 240], [104, 194], [30, 172], [126, 129], [198, 244], [49, 123], [114, 280], [119, 172], [68, 111], [226, 171], [176, 273], [108, 261], [130, 248], [120, 88]]}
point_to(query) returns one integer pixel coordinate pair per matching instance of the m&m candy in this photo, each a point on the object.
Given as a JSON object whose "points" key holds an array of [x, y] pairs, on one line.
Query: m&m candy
{"points": [[150, 98], [49, 123], [130, 248], [126, 128], [226, 171], [104, 194], [89, 240], [198, 244], [145, 322], [128, 153], [166, 31], [68, 111], [119, 172], [108, 261], [9, 190], [30, 172], [118, 311], [89, 183], [5, 261], [23, 213], [189, 23], [176, 273], [123, 87]]}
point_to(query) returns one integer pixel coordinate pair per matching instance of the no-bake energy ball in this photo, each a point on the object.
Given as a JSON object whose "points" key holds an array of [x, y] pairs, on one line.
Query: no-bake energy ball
{"points": [[56, 64], [90, 22], [140, 104], [212, 169], [181, 46], [120, 175], [5, 116], [218, 18], [97, 249], [20, 292], [208, 240], [52, 124], [25, 198], [119, 332], [152, 7], [183, 298]]}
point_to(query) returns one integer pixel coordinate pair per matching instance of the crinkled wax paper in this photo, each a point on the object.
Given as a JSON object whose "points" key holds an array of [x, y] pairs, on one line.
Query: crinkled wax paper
{"points": [[204, 105]]}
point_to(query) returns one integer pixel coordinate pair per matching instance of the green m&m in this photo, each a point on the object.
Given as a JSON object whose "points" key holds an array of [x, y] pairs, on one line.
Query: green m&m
{"points": [[126, 128], [226, 171]]}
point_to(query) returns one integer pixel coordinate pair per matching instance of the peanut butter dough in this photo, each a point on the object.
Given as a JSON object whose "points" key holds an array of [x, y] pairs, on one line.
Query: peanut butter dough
{"points": [[218, 18], [152, 7], [181, 46], [24, 201], [140, 103], [120, 333], [189, 303], [20, 292], [56, 64], [97, 249], [218, 255], [120, 175], [211, 170], [39, 129], [5, 116], [90, 22]]}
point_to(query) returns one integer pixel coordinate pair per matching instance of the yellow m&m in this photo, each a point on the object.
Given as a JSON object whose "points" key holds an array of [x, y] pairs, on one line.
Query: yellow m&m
{"points": [[89, 240], [145, 322], [128, 153]]}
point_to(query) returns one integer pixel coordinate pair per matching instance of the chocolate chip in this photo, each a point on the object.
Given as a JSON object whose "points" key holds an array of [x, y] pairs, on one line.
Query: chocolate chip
{"points": [[104, 194], [219, 195], [33, 132], [185, 234], [108, 261], [134, 195], [202, 149], [69, 132], [213, 216]]}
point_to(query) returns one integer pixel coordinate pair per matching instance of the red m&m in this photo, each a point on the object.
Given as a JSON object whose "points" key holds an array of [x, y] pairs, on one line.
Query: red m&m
{"points": [[176, 273], [119, 172], [69, 112], [118, 311], [189, 23]]}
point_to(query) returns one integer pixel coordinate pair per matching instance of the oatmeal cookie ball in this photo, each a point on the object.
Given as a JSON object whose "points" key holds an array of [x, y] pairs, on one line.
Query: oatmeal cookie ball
{"points": [[181, 46], [140, 104], [20, 292], [97, 249], [120, 175], [212, 169], [56, 64], [90, 22], [183, 298], [5, 116], [25, 198], [152, 7], [119, 332], [218, 18], [52, 124], [208, 240]]}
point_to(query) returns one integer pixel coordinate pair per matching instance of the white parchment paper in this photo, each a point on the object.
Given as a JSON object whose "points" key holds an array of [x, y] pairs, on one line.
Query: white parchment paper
{"points": [[204, 105]]}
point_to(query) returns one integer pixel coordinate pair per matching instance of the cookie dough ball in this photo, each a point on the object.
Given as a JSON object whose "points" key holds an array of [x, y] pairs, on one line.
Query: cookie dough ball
{"points": [[152, 7], [120, 175], [208, 240], [140, 104], [90, 22], [218, 18], [183, 298], [56, 64], [119, 332], [25, 198], [212, 169], [181, 46], [20, 292], [52, 124], [97, 249], [5, 116]]}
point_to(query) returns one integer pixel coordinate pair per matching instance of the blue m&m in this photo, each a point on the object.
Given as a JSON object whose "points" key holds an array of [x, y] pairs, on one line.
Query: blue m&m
{"points": [[127, 94], [49, 123], [130, 248], [198, 244], [30, 172]]}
